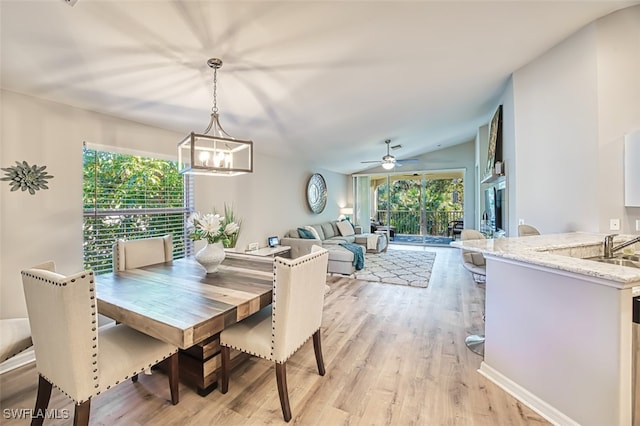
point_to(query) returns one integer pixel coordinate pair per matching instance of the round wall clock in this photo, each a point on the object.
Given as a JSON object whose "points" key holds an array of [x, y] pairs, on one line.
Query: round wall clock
{"points": [[317, 193]]}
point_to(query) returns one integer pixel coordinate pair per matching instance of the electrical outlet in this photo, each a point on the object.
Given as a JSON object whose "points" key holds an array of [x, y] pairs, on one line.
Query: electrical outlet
{"points": [[637, 224], [614, 224], [253, 246], [520, 221]]}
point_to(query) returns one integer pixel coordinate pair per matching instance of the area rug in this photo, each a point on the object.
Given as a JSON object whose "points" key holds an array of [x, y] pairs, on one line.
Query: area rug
{"points": [[402, 267]]}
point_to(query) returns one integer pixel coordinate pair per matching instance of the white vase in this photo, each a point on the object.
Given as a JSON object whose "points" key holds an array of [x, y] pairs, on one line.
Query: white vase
{"points": [[211, 256]]}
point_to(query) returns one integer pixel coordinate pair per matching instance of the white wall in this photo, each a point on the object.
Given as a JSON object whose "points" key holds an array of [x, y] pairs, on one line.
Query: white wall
{"points": [[556, 137], [510, 164], [273, 199], [481, 153], [618, 67], [570, 109], [48, 225]]}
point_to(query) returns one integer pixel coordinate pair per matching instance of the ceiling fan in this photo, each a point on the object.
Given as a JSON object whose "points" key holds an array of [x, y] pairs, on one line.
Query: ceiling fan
{"points": [[388, 161]]}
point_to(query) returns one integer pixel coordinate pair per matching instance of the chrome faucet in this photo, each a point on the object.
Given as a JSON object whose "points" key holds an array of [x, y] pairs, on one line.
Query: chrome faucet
{"points": [[609, 249]]}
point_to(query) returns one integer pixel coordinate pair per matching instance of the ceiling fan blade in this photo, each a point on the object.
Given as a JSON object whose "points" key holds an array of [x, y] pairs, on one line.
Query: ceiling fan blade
{"points": [[408, 160], [386, 159]]}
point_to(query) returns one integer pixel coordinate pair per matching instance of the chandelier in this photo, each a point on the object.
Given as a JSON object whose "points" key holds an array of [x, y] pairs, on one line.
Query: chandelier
{"points": [[214, 152]]}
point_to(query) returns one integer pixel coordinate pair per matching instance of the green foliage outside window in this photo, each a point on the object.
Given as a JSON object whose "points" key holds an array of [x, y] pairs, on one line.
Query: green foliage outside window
{"points": [[417, 209], [126, 196]]}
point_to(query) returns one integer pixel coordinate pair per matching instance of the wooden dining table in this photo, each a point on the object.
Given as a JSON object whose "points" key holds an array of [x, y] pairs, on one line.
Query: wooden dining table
{"points": [[179, 303]]}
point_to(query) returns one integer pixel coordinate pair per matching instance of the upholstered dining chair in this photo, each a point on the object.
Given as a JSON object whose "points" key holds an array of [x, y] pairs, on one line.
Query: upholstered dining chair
{"points": [[15, 337], [526, 230], [473, 261], [276, 332], [131, 254], [72, 354]]}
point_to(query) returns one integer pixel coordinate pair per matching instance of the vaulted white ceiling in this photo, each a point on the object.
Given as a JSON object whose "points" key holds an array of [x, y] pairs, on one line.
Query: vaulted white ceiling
{"points": [[324, 80]]}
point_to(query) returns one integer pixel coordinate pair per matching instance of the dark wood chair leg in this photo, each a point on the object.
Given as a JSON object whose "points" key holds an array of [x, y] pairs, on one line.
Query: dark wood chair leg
{"points": [[174, 380], [42, 401], [225, 358], [281, 378], [317, 347], [81, 416], [134, 379]]}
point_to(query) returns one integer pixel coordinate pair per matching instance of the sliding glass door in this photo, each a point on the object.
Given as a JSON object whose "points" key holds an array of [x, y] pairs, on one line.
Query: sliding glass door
{"points": [[413, 208]]}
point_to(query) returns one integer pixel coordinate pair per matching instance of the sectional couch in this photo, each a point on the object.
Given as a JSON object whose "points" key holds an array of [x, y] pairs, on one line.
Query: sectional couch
{"points": [[329, 235]]}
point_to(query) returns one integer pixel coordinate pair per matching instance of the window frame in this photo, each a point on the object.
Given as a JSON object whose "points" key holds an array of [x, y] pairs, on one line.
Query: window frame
{"points": [[97, 250]]}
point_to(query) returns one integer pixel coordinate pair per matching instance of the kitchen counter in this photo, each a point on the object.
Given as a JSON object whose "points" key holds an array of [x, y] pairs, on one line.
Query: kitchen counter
{"points": [[558, 327], [565, 252]]}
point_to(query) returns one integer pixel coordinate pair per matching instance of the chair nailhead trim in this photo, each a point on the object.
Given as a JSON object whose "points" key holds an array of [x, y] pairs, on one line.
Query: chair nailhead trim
{"points": [[143, 368], [94, 346], [57, 387], [274, 302]]}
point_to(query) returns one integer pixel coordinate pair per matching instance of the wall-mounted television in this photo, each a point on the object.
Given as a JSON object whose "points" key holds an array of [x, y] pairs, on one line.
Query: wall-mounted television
{"points": [[489, 215], [495, 142], [494, 209]]}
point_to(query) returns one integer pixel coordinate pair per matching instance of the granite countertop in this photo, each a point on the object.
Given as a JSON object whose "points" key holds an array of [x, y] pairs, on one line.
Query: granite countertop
{"points": [[566, 252]]}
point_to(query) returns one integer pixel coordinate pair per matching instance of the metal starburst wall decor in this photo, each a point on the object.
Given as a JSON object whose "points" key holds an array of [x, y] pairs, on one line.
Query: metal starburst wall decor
{"points": [[26, 177]]}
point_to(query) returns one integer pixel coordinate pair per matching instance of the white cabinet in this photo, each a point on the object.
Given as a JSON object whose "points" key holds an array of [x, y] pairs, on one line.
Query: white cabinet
{"points": [[632, 169]]}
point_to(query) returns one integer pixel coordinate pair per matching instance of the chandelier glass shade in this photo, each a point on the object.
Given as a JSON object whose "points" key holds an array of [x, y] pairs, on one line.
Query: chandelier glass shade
{"points": [[214, 152]]}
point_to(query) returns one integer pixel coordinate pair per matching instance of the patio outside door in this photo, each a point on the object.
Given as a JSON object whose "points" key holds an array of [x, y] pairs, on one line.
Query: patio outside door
{"points": [[417, 206]]}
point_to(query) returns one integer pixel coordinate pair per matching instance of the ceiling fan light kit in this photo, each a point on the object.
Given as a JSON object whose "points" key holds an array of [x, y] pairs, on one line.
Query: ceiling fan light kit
{"points": [[388, 165], [389, 162], [214, 152]]}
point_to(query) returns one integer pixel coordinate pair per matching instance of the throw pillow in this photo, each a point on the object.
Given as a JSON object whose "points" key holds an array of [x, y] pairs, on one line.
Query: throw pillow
{"points": [[345, 228], [313, 231], [327, 230], [303, 233]]}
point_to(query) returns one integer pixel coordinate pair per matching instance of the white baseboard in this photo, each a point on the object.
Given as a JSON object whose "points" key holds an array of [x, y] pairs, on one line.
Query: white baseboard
{"points": [[541, 407], [23, 358]]}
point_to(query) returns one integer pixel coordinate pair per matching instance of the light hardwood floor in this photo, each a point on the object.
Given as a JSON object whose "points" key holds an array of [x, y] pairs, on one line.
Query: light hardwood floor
{"points": [[394, 355]]}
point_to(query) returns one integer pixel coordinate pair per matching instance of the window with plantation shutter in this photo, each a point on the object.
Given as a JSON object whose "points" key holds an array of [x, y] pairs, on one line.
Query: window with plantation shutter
{"points": [[131, 197]]}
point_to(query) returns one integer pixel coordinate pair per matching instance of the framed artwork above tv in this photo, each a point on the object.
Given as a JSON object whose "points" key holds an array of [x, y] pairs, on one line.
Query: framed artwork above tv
{"points": [[495, 143]]}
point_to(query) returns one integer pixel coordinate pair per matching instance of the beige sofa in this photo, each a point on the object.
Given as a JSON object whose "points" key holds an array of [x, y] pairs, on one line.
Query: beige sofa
{"points": [[330, 234], [330, 237]]}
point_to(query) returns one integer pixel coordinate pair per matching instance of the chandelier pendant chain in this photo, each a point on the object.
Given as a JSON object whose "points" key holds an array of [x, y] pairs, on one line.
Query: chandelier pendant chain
{"points": [[215, 90], [214, 63]]}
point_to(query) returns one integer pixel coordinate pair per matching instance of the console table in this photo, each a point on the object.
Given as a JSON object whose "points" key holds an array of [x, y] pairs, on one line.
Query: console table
{"points": [[257, 260], [281, 251]]}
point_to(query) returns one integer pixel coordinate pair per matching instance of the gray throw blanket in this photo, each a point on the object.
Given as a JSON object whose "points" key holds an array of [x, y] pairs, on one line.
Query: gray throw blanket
{"points": [[358, 254]]}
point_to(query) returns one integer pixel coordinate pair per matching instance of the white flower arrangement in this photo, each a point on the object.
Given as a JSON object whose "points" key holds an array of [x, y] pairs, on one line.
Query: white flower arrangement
{"points": [[213, 228]]}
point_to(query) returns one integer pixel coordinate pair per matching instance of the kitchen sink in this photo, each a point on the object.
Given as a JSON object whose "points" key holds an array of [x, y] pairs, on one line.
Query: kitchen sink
{"points": [[631, 257], [629, 260], [621, 262]]}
